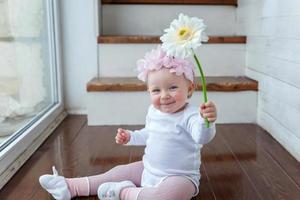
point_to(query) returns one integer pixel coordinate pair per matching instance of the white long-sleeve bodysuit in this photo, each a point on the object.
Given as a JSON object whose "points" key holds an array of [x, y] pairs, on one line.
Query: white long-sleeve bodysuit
{"points": [[173, 143]]}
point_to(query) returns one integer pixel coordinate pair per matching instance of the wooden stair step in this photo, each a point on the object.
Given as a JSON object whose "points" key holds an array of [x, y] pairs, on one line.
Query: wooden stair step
{"points": [[198, 2], [113, 39], [224, 84]]}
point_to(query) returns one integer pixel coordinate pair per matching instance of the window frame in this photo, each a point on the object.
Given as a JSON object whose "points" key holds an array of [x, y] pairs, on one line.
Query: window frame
{"points": [[15, 154]]}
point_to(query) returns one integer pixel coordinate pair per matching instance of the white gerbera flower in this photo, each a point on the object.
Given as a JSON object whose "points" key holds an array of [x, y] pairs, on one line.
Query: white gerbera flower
{"points": [[183, 36]]}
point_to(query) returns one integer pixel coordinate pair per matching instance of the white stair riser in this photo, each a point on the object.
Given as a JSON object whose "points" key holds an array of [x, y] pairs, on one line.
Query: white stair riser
{"points": [[114, 108], [153, 19], [216, 59]]}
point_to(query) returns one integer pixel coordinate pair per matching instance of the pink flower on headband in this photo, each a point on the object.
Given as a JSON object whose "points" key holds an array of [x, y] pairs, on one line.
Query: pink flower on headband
{"points": [[157, 59]]}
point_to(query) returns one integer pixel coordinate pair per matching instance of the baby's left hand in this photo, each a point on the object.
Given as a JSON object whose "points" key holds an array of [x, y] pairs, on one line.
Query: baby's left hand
{"points": [[208, 110]]}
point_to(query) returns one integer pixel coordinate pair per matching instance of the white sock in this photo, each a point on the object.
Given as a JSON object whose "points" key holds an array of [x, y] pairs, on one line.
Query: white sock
{"points": [[111, 190], [55, 185]]}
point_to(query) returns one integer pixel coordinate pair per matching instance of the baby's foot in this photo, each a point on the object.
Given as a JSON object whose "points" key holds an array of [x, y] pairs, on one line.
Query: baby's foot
{"points": [[111, 190], [56, 185]]}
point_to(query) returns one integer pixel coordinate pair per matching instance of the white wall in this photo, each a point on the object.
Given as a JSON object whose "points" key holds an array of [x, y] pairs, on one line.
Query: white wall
{"points": [[79, 51], [272, 57]]}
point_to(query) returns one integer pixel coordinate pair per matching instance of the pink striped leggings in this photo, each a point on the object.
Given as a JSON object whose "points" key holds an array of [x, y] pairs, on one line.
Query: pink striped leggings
{"points": [[173, 188]]}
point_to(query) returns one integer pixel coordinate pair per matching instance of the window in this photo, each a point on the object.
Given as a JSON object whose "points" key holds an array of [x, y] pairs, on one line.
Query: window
{"points": [[30, 89]]}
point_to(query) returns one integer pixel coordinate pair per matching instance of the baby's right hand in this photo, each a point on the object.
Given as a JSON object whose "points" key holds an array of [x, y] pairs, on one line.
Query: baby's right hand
{"points": [[122, 137]]}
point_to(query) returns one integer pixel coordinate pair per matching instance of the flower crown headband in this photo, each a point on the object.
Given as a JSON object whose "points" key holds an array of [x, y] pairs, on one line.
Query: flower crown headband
{"points": [[157, 59]]}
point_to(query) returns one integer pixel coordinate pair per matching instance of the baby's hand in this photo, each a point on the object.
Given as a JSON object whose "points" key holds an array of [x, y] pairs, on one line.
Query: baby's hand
{"points": [[122, 136], [208, 110]]}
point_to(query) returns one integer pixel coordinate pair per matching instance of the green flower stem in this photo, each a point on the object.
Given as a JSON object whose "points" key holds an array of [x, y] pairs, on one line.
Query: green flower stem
{"points": [[203, 85]]}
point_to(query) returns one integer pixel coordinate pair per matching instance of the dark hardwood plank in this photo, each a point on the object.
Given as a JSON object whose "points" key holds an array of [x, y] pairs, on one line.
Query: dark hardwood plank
{"points": [[237, 164], [137, 39], [281, 156], [95, 151], [224, 84], [269, 179], [24, 185], [199, 2], [225, 174], [205, 190], [69, 129], [75, 152]]}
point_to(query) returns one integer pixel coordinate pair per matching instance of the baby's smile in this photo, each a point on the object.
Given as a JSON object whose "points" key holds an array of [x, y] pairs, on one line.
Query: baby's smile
{"points": [[167, 103]]}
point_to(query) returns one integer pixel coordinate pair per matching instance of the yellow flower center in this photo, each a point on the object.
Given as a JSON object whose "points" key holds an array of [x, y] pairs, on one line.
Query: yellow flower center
{"points": [[184, 33]]}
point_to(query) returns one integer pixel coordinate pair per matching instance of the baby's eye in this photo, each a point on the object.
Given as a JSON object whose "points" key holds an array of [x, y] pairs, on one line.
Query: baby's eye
{"points": [[173, 87], [155, 90]]}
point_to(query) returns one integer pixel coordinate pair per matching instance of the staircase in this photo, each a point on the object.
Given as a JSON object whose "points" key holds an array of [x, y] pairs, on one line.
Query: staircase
{"points": [[130, 28]]}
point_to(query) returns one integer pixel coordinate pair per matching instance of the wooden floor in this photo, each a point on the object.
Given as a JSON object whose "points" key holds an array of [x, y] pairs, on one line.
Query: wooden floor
{"points": [[242, 162]]}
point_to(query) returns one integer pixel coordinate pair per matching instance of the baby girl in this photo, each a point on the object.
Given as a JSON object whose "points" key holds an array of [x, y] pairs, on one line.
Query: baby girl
{"points": [[174, 134]]}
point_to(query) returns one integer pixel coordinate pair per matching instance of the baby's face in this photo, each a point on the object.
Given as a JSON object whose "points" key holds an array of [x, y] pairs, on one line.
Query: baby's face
{"points": [[168, 91]]}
